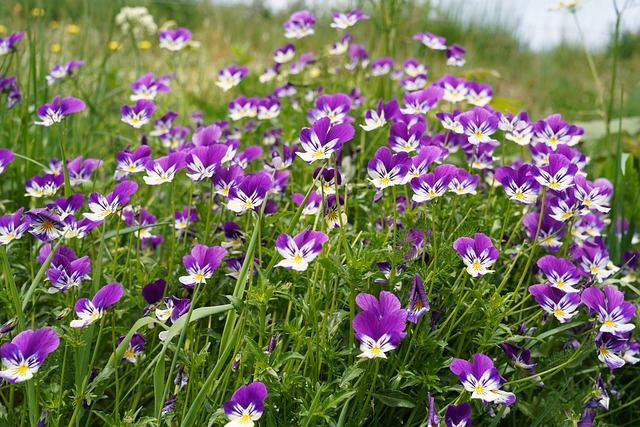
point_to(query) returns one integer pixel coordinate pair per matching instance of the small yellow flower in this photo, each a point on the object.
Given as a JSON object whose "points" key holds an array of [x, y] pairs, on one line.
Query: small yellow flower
{"points": [[37, 11], [3, 29], [73, 29], [144, 44], [54, 24], [114, 45], [55, 48], [314, 72]]}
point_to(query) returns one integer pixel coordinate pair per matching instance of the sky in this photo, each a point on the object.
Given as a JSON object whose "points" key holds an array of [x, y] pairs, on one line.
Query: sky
{"points": [[536, 25]]}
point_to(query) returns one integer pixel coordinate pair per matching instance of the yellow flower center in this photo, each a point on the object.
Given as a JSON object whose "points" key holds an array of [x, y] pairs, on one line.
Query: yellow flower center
{"points": [[558, 312], [609, 323], [22, 369], [476, 265], [297, 258], [479, 389]]}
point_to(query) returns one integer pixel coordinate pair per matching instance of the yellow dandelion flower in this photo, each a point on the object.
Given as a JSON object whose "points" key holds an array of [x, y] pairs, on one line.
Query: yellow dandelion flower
{"points": [[54, 24], [114, 45], [73, 29], [144, 44], [55, 48], [3, 29], [37, 11]]}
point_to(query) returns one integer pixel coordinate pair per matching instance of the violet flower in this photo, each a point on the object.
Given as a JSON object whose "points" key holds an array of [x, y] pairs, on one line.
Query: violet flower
{"points": [[174, 40], [299, 25], [284, 54], [268, 108], [131, 162], [560, 272], [90, 311], [422, 101], [202, 162], [406, 136], [281, 159], [426, 156], [458, 415], [517, 128], [563, 305], [103, 206], [381, 324], [521, 358], [386, 169], [58, 110], [250, 193], [162, 170], [431, 41], [147, 88], [455, 89], [520, 185], [414, 69], [336, 107], [313, 202], [550, 232], [68, 273], [415, 83], [8, 44], [594, 260], [60, 72], [381, 67], [139, 114], [557, 175], [613, 312], [320, 141], [80, 170], [25, 354], [231, 76], [246, 405], [609, 347], [479, 94], [201, 264], [153, 292], [44, 186], [224, 179], [12, 227], [174, 308], [44, 225], [418, 302], [455, 55], [482, 379], [479, 124], [349, 19], [432, 185], [553, 131], [135, 347], [464, 183], [300, 250], [242, 107], [593, 195], [163, 124], [340, 47], [335, 214], [478, 254], [327, 179]]}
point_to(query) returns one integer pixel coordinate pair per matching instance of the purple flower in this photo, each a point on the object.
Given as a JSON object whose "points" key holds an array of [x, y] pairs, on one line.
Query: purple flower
{"points": [[44, 225], [381, 324], [68, 273], [479, 94], [517, 128], [103, 206], [414, 83], [174, 40], [129, 163], [520, 185], [557, 175], [135, 347], [299, 25], [202, 162], [335, 107], [320, 141], [44, 186], [482, 379], [246, 405], [346, 20], [560, 272], [284, 54], [153, 292], [226, 179], [243, 158], [386, 169], [431, 41], [60, 72], [478, 254], [342, 46], [426, 156], [201, 264], [174, 308], [300, 250], [455, 55], [139, 217], [521, 358], [381, 67], [147, 88], [163, 170], [231, 76], [555, 301], [139, 114], [432, 185], [25, 354], [268, 108], [551, 231], [553, 131], [242, 107], [91, 311], [609, 347], [613, 312], [421, 101], [313, 202], [455, 90], [249, 193], [58, 110], [8, 44], [458, 415], [479, 124], [80, 170], [464, 183], [418, 302], [594, 260], [406, 136], [163, 124], [281, 159], [12, 227], [593, 195]]}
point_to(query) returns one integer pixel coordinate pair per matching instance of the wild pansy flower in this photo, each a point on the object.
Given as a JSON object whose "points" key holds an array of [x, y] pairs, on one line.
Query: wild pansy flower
{"points": [[418, 302], [412, 84], [164, 123], [516, 128], [386, 169], [561, 273], [431, 41], [455, 55], [233, 236], [455, 90], [281, 159], [609, 347], [131, 162], [381, 324], [80, 170], [563, 206], [152, 293], [44, 225], [60, 72], [478, 254], [44, 186], [12, 227], [479, 94], [321, 140], [482, 379], [272, 136], [348, 19], [136, 217], [432, 185], [521, 358], [146, 87], [299, 25], [313, 202], [284, 54], [377, 118], [174, 40], [550, 232], [135, 347], [224, 179], [381, 67], [139, 114], [557, 175], [68, 272], [563, 305], [413, 68], [593, 195], [14, 97], [202, 162], [250, 193], [613, 312], [479, 124], [246, 405], [201, 264], [285, 91], [90, 311], [458, 415], [481, 156], [25, 354], [8, 44], [335, 107], [268, 108], [103, 206], [519, 185], [300, 250], [175, 138], [420, 163], [335, 215], [163, 169], [231, 76], [421, 101], [77, 229], [385, 268], [552, 131], [58, 110], [242, 107], [406, 137], [463, 183], [594, 260]]}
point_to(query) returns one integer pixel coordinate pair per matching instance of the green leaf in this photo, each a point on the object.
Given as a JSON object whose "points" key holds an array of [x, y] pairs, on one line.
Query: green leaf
{"points": [[395, 399], [349, 374]]}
